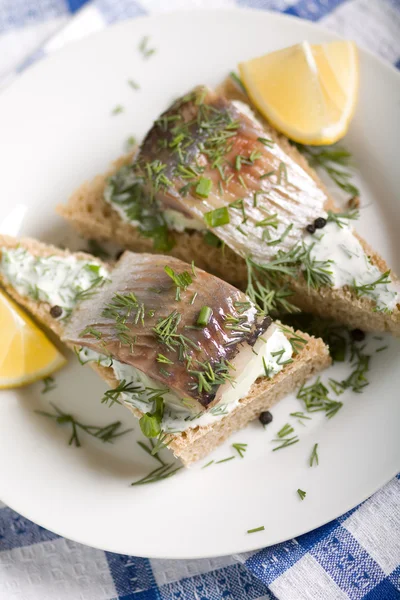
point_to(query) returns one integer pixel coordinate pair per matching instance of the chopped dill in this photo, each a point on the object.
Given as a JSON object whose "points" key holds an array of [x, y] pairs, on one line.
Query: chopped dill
{"points": [[106, 433], [49, 384], [240, 449], [314, 459]]}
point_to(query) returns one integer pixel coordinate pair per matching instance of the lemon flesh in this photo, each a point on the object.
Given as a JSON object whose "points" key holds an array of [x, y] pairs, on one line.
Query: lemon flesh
{"points": [[26, 354], [307, 91]]}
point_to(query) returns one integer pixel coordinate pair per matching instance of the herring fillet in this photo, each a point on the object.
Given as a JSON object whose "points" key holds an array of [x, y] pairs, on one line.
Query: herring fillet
{"points": [[155, 291], [205, 136]]}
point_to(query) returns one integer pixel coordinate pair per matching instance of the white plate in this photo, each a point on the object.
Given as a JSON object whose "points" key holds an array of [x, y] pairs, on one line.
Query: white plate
{"points": [[56, 131]]}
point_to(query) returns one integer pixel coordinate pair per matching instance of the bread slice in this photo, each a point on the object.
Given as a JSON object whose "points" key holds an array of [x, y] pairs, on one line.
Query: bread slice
{"points": [[93, 217], [197, 442]]}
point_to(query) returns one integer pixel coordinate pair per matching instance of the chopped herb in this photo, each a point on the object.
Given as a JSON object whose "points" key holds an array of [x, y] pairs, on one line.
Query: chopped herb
{"points": [[208, 464], [301, 493], [329, 158], [237, 80], [212, 240], [314, 456], [163, 359], [266, 141], [279, 354], [149, 450], [270, 221], [203, 187], [124, 387], [280, 239], [286, 442], [217, 217], [224, 460], [334, 217], [163, 472], [117, 110], [107, 433], [150, 425], [268, 174], [144, 49], [315, 398], [286, 430], [317, 272], [300, 415], [296, 341], [381, 349], [204, 316], [262, 528], [240, 448], [193, 298], [366, 288], [130, 143], [182, 280], [133, 84], [89, 330], [49, 385]]}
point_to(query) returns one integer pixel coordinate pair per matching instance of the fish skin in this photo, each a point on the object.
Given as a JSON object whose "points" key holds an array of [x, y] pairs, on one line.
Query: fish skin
{"points": [[296, 199], [144, 275]]}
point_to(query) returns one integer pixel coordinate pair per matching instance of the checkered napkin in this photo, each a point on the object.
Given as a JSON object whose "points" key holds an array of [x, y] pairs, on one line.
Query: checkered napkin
{"points": [[356, 556]]}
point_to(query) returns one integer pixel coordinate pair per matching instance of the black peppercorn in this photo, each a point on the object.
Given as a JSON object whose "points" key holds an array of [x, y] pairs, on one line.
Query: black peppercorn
{"points": [[310, 228], [56, 311], [357, 335], [320, 223], [265, 417]]}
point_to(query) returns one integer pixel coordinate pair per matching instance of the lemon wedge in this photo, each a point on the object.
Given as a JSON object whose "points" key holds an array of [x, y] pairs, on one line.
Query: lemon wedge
{"points": [[307, 91], [26, 354]]}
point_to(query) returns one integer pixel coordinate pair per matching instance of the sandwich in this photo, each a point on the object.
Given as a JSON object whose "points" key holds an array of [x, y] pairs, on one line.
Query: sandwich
{"points": [[214, 183], [190, 355]]}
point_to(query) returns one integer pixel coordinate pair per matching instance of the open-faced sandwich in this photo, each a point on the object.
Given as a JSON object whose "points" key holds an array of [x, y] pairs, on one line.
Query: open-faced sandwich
{"points": [[188, 353], [214, 183]]}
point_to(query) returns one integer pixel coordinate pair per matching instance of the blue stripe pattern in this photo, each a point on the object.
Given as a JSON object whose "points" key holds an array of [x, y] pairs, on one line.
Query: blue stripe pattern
{"points": [[351, 567]]}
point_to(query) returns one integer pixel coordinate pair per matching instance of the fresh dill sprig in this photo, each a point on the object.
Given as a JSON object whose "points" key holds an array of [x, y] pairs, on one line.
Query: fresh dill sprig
{"points": [[366, 288], [314, 459], [264, 290], [360, 363], [236, 79], [124, 387], [334, 217], [149, 449], [316, 398], [49, 384], [301, 493], [159, 474], [106, 433], [286, 442], [240, 448], [218, 462], [316, 272], [296, 341], [335, 161]]}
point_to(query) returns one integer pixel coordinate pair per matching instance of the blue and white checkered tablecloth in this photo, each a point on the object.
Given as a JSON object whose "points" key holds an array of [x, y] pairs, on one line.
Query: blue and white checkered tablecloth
{"points": [[356, 556]]}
